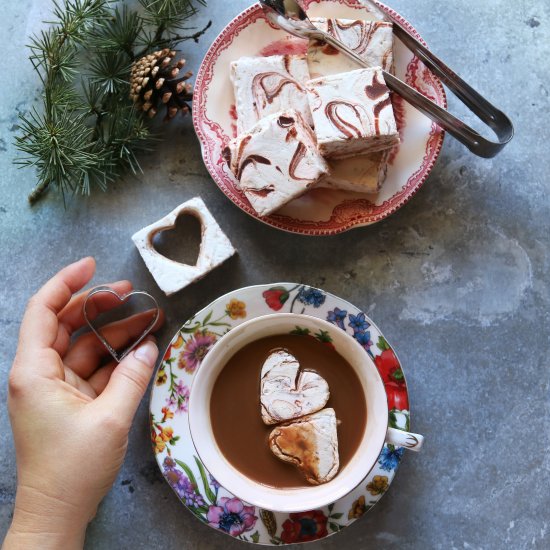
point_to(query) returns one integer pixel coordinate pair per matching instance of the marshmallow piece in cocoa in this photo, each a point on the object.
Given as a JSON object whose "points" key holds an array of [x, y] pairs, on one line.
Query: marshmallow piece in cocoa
{"points": [[266, 85], [276, 161], [171, 276], [372, 40], [352, 113], [287, 393], [311, 444]]}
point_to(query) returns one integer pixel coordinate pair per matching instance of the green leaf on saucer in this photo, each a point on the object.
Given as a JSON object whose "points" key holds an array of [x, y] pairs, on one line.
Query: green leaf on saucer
{"points": [[210, 495], [382, 344]]}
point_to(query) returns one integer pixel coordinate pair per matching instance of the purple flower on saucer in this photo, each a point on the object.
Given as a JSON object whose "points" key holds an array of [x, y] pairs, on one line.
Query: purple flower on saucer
{"points": [[188, 493], [181, 484], [195, 349], [214, 482], [337, 317], [231, 516]]}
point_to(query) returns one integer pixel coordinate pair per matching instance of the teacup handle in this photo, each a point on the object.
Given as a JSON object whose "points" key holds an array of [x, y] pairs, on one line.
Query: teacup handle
{"points": [[408, 440]]}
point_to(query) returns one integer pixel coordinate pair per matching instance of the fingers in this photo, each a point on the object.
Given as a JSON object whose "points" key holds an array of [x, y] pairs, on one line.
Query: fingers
{"points": [[85, 356], [83, 386], [127, 384], [100, 378], [39, 327], [71, 317]]}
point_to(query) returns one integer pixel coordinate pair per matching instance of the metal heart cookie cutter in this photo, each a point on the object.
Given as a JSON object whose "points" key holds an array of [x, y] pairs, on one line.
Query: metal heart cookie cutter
{"points": [[119, 356]]}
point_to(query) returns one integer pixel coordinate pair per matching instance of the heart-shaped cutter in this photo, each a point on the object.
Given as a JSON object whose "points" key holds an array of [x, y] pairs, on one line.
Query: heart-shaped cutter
{"points": [[119, 356]]}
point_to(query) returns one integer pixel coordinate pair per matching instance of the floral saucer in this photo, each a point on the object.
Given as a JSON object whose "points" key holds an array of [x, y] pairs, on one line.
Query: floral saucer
{"points": [[178, 460], [320, 211]]}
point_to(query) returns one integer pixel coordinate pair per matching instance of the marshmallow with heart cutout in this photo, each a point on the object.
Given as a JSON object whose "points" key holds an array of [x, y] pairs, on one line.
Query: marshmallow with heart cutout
{"points": [[172, 276]]}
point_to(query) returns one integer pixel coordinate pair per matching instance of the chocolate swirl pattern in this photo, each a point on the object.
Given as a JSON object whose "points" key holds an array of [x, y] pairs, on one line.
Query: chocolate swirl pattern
{"points": [[334, 111], [372, 40], [267, 86], [360, 36], [264, 86], [386, 102], [251, 159], [377, 88], [355, 115], [297, 158], [277, 161]]}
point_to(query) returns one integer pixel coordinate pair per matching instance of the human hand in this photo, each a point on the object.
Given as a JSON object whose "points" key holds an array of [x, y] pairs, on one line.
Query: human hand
{"points": [[70, 410]]}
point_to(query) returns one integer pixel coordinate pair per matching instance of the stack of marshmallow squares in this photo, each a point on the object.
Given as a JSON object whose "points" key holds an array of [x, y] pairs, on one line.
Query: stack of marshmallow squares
{"points": [[296, 132]]}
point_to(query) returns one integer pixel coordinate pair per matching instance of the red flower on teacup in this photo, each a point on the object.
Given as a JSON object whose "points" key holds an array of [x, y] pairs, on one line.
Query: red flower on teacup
{"points": [[389, 368], [397, 396], [276, 297], [304, 527], [231, 516]]}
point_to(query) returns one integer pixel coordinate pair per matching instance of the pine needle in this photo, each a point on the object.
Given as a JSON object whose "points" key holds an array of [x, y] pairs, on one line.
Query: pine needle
{"points": [[88, 132]]}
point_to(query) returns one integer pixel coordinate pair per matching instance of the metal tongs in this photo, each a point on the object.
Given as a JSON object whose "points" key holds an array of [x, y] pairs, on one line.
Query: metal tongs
{"points": [[290, 17]]}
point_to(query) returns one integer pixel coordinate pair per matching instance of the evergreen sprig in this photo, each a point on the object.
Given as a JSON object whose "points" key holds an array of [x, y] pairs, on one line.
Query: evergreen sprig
{"points": [[87, 131]]}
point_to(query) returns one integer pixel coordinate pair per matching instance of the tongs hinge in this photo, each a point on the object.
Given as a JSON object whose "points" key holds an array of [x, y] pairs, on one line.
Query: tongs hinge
{"points": [[485, 111]]}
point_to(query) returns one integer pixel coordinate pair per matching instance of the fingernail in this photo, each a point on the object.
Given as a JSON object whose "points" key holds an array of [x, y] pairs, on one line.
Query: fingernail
{"points": [[84, 260], [147, 353]]}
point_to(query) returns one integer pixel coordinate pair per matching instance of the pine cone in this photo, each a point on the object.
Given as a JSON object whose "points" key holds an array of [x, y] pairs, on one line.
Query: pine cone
{"points": [[154, 80]]}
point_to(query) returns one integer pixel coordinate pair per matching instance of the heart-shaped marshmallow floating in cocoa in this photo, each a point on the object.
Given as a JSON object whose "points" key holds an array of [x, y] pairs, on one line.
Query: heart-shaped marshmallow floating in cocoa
{"points": [[311, 444], [286, 392], [92, 320]]}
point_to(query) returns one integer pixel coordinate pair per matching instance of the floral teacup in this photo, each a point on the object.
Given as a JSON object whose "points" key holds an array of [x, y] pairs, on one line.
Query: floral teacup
{"points": [[376, 432]]}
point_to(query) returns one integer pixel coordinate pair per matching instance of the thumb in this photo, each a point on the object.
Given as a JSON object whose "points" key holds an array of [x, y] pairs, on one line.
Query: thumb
{"points": [[129, 382]]}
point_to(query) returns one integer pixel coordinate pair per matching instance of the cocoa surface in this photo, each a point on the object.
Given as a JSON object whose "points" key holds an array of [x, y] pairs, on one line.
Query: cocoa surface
{"points": [[235, 407]]}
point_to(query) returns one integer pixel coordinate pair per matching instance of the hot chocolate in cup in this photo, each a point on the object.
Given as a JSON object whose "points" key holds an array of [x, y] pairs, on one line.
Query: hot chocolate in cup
{"points": [[375, 433]]}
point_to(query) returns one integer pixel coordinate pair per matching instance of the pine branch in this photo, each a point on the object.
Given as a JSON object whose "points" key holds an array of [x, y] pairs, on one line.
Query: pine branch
{"points": [[171, 41], [120, 33], [88, 132], [110, 70], [58, 145], [168, 14]]}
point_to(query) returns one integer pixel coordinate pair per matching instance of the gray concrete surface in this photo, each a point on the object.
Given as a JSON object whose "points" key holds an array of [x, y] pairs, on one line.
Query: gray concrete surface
{"points": [[458, 281]]}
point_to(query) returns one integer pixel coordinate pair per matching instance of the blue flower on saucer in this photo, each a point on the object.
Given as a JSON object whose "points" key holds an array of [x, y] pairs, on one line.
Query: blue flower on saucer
{"points": [[364, 339], [358, 322], [390, 457], [337, 317], [311, 297]]}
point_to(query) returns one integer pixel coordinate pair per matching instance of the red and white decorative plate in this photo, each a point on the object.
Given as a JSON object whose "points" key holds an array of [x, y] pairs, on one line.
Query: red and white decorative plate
{"points": [[320, 211]]}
